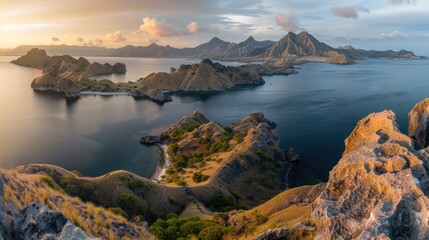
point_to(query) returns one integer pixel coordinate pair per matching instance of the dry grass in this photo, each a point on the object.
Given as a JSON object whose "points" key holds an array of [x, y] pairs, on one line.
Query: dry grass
{"points": [[24, 189]]}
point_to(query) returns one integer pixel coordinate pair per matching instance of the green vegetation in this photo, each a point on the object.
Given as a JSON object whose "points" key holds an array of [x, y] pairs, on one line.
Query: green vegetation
{"points": [[260, 219], [239, 137], [79, 174], [221, 203], [49, 181], [199, 177], [136, 184], [187, 228], [73, 187], [128, 202], [271, 169], [220, 145]]}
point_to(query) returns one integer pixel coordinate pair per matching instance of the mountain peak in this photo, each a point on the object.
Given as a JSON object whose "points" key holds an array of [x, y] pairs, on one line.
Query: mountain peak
{"points": [[250, 39], [216, 40]]}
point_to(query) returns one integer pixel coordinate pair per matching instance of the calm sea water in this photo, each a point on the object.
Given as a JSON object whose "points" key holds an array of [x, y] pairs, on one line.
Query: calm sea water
{"points": [[315, 111]]}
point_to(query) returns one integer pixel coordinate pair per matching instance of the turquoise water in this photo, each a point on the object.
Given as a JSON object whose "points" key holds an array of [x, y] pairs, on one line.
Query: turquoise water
{"points": [[315, 111]]}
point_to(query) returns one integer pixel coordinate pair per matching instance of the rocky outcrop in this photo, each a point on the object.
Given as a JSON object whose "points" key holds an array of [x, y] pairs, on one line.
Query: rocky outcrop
{"points": [[39, 222], [35, 221], [251, 121], [150, 139], [205, 76], [418, 128], [378, 190], [338, 58], [36, 58]]}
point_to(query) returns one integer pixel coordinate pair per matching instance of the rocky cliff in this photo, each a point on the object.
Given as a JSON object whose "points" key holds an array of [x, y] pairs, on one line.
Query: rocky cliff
{"points": [[378, 190]]}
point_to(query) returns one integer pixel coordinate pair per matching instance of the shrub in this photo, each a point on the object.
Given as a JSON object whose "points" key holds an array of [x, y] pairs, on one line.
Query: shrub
{"points": [[186, 228], [49, 181], [238, 137], [199, 177], [79, 174], [127, 201], [135, 184], [211, 233], [260, 219]]}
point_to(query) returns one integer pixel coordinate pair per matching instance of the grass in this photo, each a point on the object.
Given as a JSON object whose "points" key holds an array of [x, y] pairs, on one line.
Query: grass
{"points": [[94, 220]]}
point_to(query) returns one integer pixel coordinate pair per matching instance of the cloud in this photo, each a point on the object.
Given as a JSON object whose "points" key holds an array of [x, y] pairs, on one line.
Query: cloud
{"points": [[385, 36], [157, 29], [78, 39], [345, 12], [287, 22], [369, 37], [98, 41], [195, 27], [398, 2], [55, 39], [116, 37]]}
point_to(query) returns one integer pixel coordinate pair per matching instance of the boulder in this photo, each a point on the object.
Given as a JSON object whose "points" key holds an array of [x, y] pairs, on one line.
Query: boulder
{"points": [[418, 128], [150, 139], [39, 222], [292, 155]]}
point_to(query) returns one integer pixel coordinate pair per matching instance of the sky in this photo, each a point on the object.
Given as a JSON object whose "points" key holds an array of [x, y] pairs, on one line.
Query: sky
{"points": [[368, 24]]}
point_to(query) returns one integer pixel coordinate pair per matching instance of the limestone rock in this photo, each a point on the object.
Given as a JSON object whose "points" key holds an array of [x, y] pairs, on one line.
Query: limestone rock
{"points": [[378, 190], [418, 128], [39, 222], [376, 128]]}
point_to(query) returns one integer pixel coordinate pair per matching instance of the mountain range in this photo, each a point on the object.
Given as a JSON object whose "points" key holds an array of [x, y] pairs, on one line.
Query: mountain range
{"points": [[300, 46]]}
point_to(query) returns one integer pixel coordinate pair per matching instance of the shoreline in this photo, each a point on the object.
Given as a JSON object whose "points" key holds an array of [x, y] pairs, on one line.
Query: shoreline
{"points": [[163, 163], [104, 93]]}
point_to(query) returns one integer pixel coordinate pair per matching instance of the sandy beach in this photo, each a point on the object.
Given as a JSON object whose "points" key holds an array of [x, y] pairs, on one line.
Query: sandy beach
{"points": [[163, 164]]}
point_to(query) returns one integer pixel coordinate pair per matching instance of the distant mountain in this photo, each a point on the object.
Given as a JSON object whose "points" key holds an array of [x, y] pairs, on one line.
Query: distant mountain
{"points": [[72, 50], [363, 54], [215, 48], [292, 48], [302, 44]]}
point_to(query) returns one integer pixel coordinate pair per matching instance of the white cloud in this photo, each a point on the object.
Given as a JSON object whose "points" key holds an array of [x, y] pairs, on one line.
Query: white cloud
{"points": [[345, 12], [116, 37], [288, 22]]}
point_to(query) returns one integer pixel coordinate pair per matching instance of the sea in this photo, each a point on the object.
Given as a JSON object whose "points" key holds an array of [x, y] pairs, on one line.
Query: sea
{"points": [[315, 110]]}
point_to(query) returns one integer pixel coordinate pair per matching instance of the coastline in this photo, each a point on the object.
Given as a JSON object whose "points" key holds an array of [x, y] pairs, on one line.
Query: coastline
{"points": [[104, 93], [163, 163]]}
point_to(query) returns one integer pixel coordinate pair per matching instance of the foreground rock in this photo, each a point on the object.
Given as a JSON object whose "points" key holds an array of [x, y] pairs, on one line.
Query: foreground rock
{"points": [[35, 221], [378, 189], [419, 124]]}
